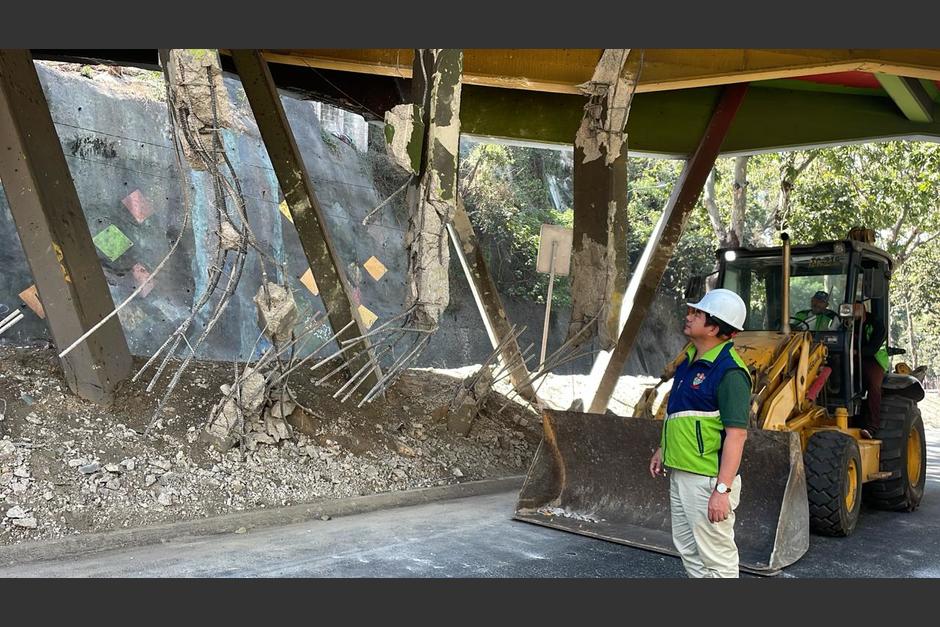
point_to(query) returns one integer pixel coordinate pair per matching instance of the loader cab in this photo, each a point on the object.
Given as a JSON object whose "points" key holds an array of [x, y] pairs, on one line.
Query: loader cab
{"points": [[847, 271]]}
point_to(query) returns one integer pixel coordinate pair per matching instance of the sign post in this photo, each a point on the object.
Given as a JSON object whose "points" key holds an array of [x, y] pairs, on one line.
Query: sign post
{"points": [[554, 258]]}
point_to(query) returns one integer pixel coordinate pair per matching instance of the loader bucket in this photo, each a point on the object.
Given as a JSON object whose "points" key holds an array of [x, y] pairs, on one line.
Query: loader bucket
{"points": [[591, 476]]}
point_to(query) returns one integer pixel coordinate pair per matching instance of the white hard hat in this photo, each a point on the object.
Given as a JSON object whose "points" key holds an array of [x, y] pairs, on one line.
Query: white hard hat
{"points": [[724, 305]]}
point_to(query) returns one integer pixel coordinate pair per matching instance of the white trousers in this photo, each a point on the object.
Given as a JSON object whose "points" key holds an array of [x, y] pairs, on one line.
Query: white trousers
{"points": [[707, 549]]}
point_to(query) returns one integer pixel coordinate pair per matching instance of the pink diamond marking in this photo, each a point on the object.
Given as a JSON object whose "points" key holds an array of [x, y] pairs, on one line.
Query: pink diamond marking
{"points": [[141, 274], [138, 205]]}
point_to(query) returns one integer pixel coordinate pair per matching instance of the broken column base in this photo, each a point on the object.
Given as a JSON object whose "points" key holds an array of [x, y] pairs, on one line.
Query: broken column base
{"points": [[466, 405]]}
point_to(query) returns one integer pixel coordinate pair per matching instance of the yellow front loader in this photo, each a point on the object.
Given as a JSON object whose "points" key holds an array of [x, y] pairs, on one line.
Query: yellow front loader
{"points": [[805, 467]]}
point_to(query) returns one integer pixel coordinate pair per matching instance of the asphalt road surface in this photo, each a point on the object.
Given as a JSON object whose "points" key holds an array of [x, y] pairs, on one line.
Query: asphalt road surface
{"points": [[475, 537]]}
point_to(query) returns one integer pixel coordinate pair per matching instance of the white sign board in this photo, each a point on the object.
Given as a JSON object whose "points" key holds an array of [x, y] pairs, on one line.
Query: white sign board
{"points": [[562, 237]]}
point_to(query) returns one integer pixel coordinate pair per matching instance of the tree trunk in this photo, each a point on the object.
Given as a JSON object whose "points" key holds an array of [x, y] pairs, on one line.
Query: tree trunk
{"points": [[788, 174], [712, 208], [910, 330], [739, 201]]}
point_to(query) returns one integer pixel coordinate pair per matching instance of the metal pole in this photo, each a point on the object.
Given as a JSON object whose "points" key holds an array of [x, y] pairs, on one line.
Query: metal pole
{"points": [[548, 304], [6, 324], [785, 279]]}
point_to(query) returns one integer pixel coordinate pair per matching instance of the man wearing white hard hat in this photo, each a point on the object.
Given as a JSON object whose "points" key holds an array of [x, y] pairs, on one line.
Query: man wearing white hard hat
{"points": [[703, 437]]}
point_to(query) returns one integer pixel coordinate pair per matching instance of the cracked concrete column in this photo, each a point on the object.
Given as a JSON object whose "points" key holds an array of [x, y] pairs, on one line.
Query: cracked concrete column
{"points": [[424, 138], [660, 247], [195, 81], [599, 262], [52, 227]]}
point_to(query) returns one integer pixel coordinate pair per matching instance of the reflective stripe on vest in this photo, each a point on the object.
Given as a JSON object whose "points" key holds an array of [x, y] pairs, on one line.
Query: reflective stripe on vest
{"points": [[692, 432]]}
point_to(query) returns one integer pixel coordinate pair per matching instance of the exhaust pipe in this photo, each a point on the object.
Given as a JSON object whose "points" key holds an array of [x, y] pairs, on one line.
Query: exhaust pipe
{"points": [[785, 297]]}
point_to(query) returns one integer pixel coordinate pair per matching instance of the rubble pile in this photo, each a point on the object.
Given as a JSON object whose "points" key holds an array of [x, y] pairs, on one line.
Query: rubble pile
{"points": [[68, 466]]}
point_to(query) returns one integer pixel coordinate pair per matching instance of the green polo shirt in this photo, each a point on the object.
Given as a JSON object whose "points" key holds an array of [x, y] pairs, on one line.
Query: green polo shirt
{"points": [[734, 399]]}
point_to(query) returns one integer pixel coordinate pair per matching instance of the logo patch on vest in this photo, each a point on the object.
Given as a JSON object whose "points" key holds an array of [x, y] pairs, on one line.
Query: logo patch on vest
{"points": [[697, 381]]}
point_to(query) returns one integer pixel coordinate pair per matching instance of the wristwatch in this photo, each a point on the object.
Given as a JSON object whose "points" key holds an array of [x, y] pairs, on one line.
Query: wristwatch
{"points": [[721, 488]]}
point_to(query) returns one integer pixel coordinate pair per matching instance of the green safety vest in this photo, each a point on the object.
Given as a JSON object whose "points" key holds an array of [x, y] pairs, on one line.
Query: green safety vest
{"points": [[882, 355], [823, 320], [693, 432]]}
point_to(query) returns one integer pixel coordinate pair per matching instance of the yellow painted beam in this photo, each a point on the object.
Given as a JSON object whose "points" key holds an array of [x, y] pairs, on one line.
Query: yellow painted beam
{"points": [[562, 70]]}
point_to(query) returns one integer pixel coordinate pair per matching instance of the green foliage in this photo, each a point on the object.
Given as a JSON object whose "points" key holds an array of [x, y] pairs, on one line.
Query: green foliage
{"points": [[506, 193], [893, 188]]}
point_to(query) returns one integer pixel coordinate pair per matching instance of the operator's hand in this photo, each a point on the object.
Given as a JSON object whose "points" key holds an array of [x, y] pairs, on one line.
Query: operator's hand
{"points": [[719, 507], [656, 464]]}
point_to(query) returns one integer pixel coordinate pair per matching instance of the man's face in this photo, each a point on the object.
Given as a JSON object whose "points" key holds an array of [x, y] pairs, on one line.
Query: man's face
{"points": [[695, 326], [818, 306]]}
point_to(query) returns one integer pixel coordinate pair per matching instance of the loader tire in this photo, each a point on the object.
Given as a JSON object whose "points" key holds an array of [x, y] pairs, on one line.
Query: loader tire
{"points": [[903, 454], [833, 483]]}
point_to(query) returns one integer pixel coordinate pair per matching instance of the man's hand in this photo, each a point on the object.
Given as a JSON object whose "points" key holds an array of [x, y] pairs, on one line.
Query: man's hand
{"points": [[656, 464], [719, 507]]}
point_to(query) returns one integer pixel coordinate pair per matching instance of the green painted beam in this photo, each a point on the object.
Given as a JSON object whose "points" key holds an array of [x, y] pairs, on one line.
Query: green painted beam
{"points": [[931, 88], [909, 95], [671, 122]]}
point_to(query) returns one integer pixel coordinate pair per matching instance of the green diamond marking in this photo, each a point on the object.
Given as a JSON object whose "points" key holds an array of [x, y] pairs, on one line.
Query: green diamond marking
{"points": [[112, 242]]}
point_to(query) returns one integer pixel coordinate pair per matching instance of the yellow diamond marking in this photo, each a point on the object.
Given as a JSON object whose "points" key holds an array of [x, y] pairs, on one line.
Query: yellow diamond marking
{"points": [[368, 318], [283, 208], [310, 283], [375, 268]]}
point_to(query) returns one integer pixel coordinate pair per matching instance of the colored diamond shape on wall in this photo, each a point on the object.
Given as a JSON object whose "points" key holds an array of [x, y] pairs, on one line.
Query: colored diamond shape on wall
{"points": [[112, 242], [283, 209], [138, 205], [368, 318], [30, 296], [141, 274], [375, 268], [132, 316], [310, 283]]}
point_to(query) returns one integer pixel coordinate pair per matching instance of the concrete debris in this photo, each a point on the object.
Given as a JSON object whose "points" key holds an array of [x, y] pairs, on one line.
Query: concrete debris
{"points": [[168, 477], [470, 397], [253, 439], [277, 312], [283, 409], [251, 394], [457, 472], [17, 512], [7, 450], [229, 237], [90, 469], [33, 419], [162, 464], [326, 517], [21, 472], [241, 530], [26, 523], [276, 427]]}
